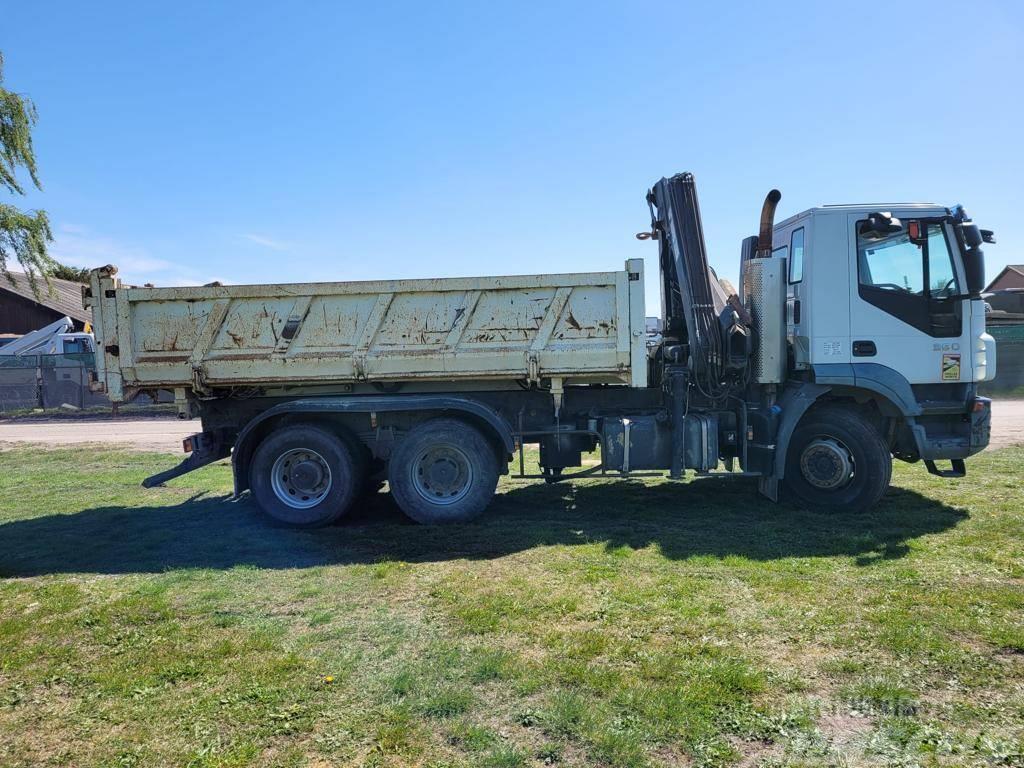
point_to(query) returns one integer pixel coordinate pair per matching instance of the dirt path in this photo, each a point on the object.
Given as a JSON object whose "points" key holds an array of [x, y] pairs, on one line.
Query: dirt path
{"points": [[165, 434], [1007, 423], [146, 434]]}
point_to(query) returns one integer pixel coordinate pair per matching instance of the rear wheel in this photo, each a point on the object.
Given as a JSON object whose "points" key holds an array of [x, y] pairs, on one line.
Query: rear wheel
{"points": [[304, 476], [837, 461], [444, 471]]}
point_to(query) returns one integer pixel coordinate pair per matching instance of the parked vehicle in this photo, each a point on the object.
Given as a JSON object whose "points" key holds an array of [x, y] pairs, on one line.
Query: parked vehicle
{"points": [[57, 338], [858, 335]]}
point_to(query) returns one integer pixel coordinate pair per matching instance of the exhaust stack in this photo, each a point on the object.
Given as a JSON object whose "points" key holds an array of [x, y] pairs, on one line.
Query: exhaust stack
{"points": [[764, 235]]}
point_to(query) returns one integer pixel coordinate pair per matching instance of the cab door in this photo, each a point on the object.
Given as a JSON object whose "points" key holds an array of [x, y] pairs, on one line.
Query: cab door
{"points": [[907, 310]]}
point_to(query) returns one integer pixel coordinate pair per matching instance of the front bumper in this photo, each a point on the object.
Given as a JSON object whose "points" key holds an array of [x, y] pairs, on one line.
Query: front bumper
{"points": [[953, 436]]}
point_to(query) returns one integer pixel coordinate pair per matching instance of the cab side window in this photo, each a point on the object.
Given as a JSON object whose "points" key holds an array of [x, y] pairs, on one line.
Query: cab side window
{"points": [[911, 278], [942, 282], [75, 346], [796, 259], [893, 264]]}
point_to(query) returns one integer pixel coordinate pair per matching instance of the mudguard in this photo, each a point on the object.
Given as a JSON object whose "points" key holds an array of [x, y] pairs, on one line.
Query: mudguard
{"points": [[481, 413], [795, 401]]}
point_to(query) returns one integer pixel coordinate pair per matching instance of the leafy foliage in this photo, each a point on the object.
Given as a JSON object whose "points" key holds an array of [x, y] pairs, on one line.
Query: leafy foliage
{"points": [[66, 272], [23, 234]]}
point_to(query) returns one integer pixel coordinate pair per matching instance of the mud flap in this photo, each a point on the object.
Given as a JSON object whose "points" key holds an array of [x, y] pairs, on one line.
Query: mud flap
{"points": [[768, 487]]}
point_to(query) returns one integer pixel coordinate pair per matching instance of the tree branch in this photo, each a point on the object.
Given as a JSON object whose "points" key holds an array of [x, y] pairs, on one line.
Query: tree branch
{"points": [[24, 236]]}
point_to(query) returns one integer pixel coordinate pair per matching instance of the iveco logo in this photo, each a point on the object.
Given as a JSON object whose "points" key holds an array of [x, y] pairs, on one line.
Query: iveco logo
{"points": [[937, 347]]}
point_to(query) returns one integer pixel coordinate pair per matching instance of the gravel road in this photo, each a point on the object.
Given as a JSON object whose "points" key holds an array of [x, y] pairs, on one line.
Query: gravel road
{"points": [[165, 434]]}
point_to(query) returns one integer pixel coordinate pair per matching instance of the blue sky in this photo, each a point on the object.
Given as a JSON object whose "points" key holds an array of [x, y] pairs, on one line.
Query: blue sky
{"points": [[252, 142]]}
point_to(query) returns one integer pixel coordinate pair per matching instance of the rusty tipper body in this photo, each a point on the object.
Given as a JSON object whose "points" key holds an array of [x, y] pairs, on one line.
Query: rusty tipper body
{"points": [[585, 327], [858, 335]]}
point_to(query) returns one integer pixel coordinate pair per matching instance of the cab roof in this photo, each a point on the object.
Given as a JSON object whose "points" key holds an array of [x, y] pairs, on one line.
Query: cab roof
{"points": [[865, 208]]}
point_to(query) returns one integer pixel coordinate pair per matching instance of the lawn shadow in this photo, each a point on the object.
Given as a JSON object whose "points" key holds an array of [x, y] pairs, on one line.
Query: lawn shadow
{"points": [[701, 518]]}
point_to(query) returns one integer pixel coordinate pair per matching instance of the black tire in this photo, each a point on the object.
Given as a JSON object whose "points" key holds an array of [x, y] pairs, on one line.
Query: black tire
{"points": [[444, 471], [328, 482], [837, 461]]}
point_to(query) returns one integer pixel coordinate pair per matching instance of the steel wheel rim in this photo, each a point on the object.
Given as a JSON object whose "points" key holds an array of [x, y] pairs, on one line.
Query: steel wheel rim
{"points": [[827, 464], [301, 478], [442, 474]]}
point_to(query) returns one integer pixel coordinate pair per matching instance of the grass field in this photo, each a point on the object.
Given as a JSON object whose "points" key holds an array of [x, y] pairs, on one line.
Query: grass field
{"points": [[606, 623]]}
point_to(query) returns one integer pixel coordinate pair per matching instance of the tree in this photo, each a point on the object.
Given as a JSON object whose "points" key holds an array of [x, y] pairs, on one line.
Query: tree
{"points": [[74, 274], [24, 235]]}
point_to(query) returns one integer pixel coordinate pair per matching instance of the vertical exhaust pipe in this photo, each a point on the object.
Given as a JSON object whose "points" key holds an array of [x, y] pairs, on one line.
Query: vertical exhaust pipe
{"points": [[764, 235]]}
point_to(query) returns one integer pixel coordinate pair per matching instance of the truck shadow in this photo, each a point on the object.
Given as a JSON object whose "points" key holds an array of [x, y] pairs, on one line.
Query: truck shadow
{"points": [[702, 518]]}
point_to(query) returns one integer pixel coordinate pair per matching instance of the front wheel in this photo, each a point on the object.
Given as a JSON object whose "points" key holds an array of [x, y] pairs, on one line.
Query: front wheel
{"points": [[837, 461], [444, 471]]}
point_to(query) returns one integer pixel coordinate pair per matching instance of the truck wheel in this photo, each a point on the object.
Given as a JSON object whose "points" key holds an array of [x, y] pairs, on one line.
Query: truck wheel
{"points": [[303, 476], [837, 462], [444, 471]]}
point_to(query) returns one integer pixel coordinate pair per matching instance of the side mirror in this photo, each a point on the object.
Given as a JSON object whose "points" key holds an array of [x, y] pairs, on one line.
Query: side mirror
{"points": [[988, 236], [972, 235], [974, 269], [880, 225]]}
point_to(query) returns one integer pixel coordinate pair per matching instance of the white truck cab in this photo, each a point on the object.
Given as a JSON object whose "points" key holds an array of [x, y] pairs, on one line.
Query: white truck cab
{"points": [[888, 301], [883, 298]]}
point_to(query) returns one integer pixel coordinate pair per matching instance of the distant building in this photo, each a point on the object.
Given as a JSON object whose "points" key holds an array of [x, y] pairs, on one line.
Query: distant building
{"points": [[21, 311], [1012, 276]]}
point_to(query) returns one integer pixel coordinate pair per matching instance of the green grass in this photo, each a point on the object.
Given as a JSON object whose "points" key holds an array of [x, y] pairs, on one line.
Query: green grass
{"points": [[161, 410], [638, 623]]}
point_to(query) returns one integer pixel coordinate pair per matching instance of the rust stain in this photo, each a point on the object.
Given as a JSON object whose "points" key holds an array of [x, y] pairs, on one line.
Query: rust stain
{"points": [[237, 338], [572, 321]]}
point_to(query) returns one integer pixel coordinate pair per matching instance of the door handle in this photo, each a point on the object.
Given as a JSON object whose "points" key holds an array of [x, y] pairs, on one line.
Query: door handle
{"points": [[864, 349]]}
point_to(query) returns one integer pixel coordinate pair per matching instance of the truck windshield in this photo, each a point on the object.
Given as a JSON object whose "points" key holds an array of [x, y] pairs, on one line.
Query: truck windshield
{"points": [[897, 264]]}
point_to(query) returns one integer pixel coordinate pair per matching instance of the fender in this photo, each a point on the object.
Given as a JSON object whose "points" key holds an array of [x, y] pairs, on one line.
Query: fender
{"points": [[244, 443], [795, 401], [870, 377], [880, 379]]}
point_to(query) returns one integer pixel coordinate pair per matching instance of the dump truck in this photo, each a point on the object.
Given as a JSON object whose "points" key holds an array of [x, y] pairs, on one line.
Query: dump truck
{"points": [[857, 335]]}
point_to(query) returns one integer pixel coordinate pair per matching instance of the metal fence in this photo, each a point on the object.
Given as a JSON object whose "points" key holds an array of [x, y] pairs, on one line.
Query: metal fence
{"points": [[1009, 360], [47, 381]]}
